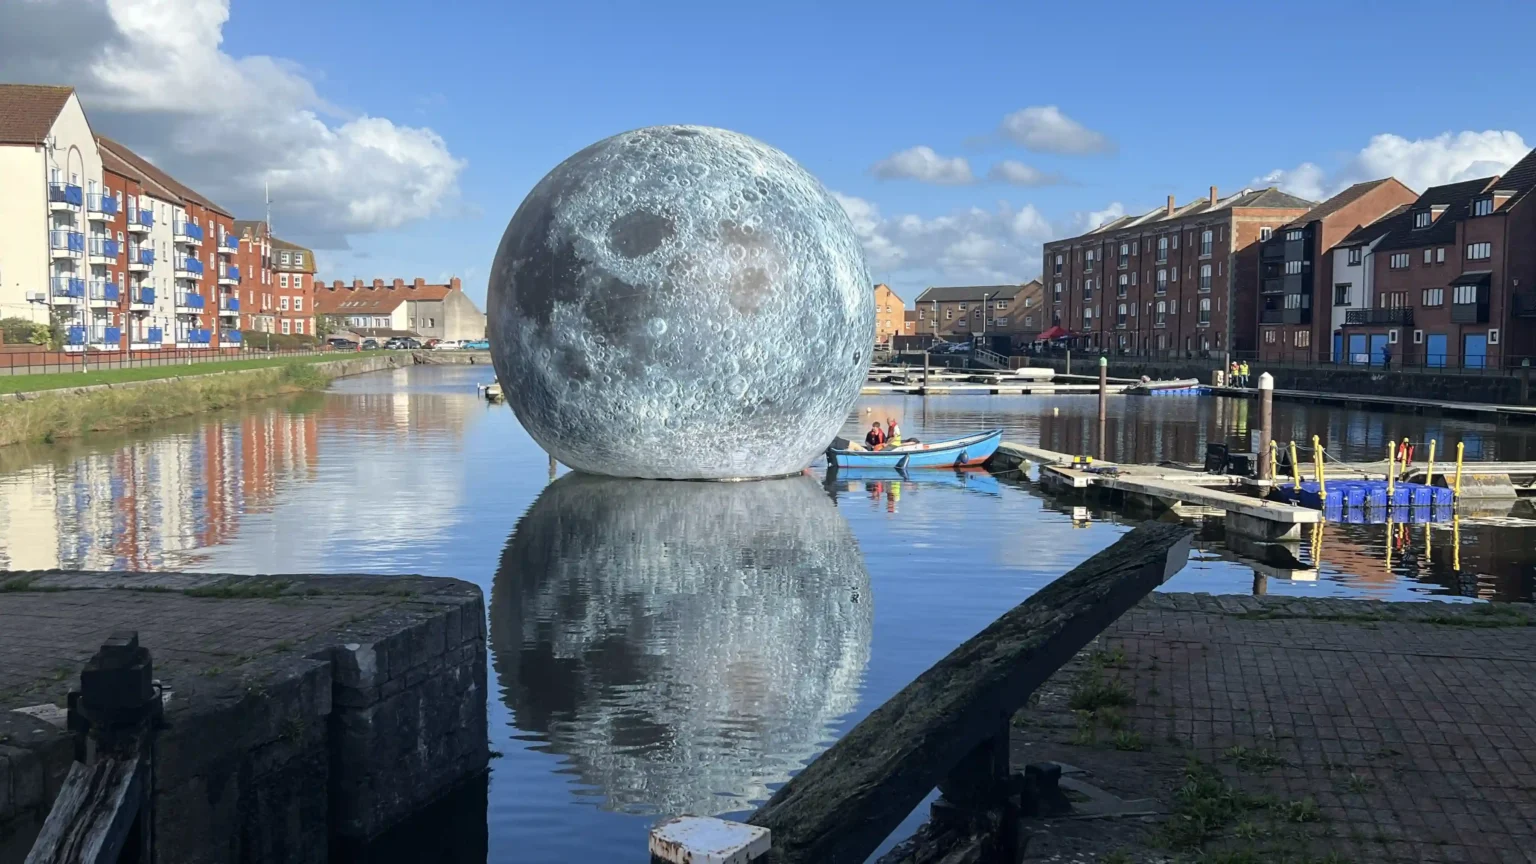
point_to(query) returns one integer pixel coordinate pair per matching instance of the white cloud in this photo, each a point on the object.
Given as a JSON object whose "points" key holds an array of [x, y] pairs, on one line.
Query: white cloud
{"points": [[1096, 218], [1044, 129], [968, 246], [1019, 174], [151, 73], [1419, 163], [925, 166]]}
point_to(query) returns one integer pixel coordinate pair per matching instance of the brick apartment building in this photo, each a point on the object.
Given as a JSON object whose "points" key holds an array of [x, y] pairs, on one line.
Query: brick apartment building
{"points": [[254, 259], [889, 314], [293, 269], [1296, 267], [1179, 280], [1006, 314], [1449, 280]]}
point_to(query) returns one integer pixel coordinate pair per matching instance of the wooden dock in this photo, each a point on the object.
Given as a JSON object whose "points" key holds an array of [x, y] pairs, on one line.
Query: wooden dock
{"points": [[1398, 404], [1001, 388]]}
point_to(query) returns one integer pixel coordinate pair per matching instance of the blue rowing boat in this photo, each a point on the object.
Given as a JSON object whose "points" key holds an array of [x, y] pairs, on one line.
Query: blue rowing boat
{"points": [[952, 453]]}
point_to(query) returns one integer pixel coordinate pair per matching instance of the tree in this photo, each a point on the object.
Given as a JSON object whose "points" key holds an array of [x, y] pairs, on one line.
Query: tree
{"points": [[17, 331]]}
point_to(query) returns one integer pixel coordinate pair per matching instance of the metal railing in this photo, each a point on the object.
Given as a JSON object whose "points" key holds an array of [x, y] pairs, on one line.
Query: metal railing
{"points": [[247, 347], [1399, 315]]}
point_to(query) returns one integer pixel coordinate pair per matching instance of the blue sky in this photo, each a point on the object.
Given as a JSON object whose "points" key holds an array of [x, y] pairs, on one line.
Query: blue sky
{"points": [[1181, 96]]}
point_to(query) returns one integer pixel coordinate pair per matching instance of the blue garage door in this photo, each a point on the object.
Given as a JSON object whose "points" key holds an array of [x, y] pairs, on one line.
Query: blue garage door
{"points": [[1474, 350], [1378, 342], [1357, 353], [1338, 347], [1434, 349]]}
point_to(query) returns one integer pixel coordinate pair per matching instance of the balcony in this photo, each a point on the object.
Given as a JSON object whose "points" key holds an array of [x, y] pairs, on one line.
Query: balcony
{"points": [[102, 251], [65, 196], [66, 290], [66, 244], [142, 300], [103, 294], [1285, 316], [140, 259], [100, 206], [188, 268], [74, 337], [229, 275], [188, 234], [1469, 313], [229, 244], [199, 338], [230, 336], [1402, 315], [1523, 305], [155, 337], [140, 221], [190, 303], [1272, 286], [229, 306], [1272, 250], [111, 339]]}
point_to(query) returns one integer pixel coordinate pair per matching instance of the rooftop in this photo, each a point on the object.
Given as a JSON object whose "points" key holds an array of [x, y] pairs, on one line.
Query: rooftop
{"points": [[1342, 200], [378, 298], [281, 245], [1270, 198], [27, 111], [961, 293], [1454, 200], [148, 170]]}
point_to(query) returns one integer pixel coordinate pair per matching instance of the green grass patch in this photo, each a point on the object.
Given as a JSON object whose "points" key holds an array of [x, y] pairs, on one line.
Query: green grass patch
{"points": [[1204, 807], [1253, 759], [1094, 691], [69, 380]]}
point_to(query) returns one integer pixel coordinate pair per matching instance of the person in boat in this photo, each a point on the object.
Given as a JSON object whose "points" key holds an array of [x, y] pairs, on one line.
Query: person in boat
{"points": [[892, 433], [875, 437]]}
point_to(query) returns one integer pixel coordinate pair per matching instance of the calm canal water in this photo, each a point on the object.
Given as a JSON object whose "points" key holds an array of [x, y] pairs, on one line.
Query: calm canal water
{"points": [[671, 647]]}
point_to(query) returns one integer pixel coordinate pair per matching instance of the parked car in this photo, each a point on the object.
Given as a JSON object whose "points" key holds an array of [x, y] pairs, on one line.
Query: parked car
{"points": [[370, 344], [477, 345], [447, 345], [401, 343], [430, 343], [341, 344]]}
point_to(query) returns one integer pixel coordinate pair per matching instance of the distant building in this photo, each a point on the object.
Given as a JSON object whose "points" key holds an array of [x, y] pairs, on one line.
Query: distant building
{"points": [[889, 311], [1178, 280], [255, 292], [293, 267], [1010, 314], [425, 311], [1296, 283], [909, 322]]}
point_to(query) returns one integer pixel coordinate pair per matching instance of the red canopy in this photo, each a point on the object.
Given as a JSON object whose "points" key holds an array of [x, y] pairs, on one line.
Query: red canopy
{"points": [[1056, 332]]}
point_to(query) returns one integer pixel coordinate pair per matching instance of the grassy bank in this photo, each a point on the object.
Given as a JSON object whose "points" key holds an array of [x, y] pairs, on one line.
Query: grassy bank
{"points": [[67, 380], [47, 416]]}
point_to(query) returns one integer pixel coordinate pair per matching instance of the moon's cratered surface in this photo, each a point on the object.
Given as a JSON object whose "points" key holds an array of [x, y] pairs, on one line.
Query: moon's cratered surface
{"points": [[681, 302]]}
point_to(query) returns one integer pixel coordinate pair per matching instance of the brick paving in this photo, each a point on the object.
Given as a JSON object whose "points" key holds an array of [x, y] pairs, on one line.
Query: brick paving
{"points": [[1412, 725]]}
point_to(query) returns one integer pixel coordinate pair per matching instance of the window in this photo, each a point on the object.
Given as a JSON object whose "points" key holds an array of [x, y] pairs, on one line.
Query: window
{"points": [[1269, 336], [1293, 235], [1087, 313], [282, 280], [1429, 256], [1003, 304], [961, 323], [282, 303], [1493, 337], [1175, 241], [1434, 297], [285, 326], [1292, 268], [977, 312], [1265, 234], [922, 313], [1056, 289], [1162, 249], [1354, 256], [1422, 219], [1418, 337], [1394, 299], [1399, 260], [1341, 294], [949, 314], [1058, 268], [1088, 261], [1133, 278], [1120, 289], [1162, 281], [1392, 336], [1120, 315], [1303, 339], [1173, 275], [1029, 320], [1479, 251], [1205, 277], [1296, 301], [298, 326], [1205, 310], [961, 307], [1001, 322], [298, 304], [1482, 207], [1205, 243], [1465, 294], [1087, 289], [1440, 255], [298, 259], [283, 257]]}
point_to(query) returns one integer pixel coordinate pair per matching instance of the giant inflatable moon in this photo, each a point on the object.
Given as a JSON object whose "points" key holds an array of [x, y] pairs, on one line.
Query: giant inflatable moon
{"points": [[681, 302]]}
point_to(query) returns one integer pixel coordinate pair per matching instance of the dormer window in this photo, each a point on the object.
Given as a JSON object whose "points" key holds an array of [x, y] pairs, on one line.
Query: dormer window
{"points": [[1292, 235], [1422, 219], [1482, 207]]}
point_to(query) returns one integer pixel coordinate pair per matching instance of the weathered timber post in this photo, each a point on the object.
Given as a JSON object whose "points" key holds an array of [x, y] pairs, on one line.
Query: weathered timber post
{"points": [[980, 796], [1266, 418], [104, 813], [1103, 401]]}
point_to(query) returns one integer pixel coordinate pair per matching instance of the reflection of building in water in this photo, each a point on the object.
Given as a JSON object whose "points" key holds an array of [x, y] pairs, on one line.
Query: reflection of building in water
{"points": [[684, 644]]}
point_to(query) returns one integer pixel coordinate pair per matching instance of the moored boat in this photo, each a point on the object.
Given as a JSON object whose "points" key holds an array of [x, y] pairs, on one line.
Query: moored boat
{"points": [[950, 453]]}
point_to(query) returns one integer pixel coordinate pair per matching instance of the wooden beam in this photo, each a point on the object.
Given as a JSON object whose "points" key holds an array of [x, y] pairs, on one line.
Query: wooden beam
{"points": [[850, 798], [94, 813]]}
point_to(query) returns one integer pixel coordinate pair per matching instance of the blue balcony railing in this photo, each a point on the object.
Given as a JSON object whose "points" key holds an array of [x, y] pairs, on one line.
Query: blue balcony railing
{"points": [[229, 304], [106, 291], [142, 217], [141, 256], [74, 336], [67, 286], [231, 336], [104, 247], [66, 193], [145, 296], [189, 230], [192, 301], [99, 202], [199, 337], [72, 241], [112, 336], [234, 273], [190, 265], [155, 336], [230, 242]]}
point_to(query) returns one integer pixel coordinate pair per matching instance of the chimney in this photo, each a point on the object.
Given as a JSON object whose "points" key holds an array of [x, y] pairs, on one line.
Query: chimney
{"points": [[1213, 196], [399, 283], [1170, 205], [338, 285], [453, 283], [357, 284], [419, 283], [378, 283]]}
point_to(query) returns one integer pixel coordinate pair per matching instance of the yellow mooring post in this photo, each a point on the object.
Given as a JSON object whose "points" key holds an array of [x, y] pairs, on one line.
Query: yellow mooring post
{"points": [[1295, 468], [1391, 470], [1457, 488], [1274, 461], [1317, 469], [1429, 468]]}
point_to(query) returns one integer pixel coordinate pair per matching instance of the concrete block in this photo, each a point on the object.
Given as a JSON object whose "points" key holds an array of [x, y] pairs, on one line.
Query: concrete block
{"points": [[707, 840]]}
